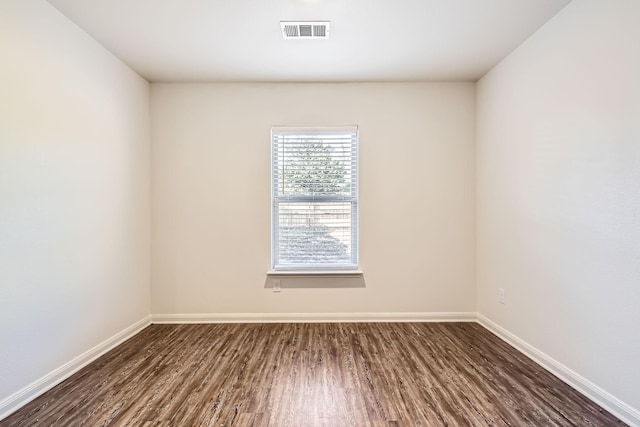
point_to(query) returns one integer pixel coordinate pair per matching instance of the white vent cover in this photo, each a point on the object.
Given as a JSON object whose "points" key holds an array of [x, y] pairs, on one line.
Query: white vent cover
{"points": [[305, 30]]}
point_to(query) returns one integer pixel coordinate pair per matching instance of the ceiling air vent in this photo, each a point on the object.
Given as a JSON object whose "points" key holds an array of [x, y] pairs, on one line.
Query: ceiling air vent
{"points": [[305, 30]]}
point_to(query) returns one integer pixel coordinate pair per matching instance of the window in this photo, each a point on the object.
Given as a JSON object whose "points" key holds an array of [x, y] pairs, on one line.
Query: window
{"points": [[314, 198]]}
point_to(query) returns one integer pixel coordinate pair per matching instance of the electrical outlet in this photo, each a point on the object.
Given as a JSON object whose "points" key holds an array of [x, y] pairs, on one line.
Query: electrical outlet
{"points": [[276, 286], [501, 295]]}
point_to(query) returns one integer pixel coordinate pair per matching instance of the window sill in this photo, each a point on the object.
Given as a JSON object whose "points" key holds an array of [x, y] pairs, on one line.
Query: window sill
{"points": [[315, 273]]}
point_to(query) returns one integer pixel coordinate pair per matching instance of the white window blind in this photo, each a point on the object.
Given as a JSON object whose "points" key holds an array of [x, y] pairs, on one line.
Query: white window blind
{"points": [[314, 198]]}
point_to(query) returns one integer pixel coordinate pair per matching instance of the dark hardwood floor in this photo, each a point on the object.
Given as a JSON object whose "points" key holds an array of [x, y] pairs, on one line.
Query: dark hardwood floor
{"points": [[345, 374]]}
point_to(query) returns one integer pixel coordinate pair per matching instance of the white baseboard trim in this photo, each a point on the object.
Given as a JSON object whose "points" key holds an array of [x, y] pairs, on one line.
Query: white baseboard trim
{"points": [[35, 389], [312, 317], [603, 398]]}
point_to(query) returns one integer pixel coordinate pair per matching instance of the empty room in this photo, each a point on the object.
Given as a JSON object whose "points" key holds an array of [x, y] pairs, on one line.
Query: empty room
{"points": [[320, 213]]}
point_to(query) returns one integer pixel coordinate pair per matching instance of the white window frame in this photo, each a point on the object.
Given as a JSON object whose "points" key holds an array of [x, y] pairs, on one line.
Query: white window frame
{"points": [[320, 269]]}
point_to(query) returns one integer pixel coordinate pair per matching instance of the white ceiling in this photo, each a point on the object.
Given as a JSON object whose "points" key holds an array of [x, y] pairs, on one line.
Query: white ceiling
{"points": [[370, 40]]}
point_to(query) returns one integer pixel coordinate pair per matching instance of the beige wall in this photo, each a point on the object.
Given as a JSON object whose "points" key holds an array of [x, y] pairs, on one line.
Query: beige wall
{"points": [[558, 170], [211, 196], [74, 194]]}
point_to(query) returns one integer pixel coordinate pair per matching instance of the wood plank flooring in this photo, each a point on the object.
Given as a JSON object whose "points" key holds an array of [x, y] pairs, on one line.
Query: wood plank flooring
{"points": [[343, 374]]}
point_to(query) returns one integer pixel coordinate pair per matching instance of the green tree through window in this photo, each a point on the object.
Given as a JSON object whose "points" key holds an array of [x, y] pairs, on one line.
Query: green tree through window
{"points": [[311, 169]]}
